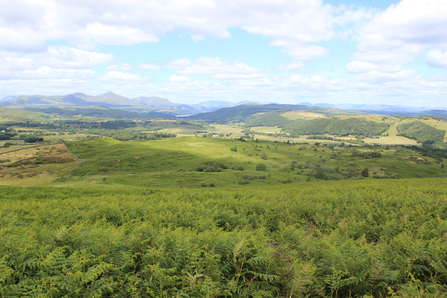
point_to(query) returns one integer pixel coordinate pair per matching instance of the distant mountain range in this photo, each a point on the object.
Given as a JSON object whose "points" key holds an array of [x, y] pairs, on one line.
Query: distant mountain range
{"points": [[153, 103], [112, 100]]}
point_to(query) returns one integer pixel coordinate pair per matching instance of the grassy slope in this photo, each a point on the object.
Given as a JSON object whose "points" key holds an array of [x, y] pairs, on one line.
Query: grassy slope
{"points": [[157, 163], [31, 172]]}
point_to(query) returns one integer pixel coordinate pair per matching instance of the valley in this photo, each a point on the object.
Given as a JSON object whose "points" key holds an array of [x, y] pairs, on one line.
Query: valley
{"points": [[290, 203]]}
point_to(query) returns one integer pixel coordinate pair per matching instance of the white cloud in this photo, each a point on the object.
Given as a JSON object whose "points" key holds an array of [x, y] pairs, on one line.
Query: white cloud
{"points": [[403, 32], [123, 67], [73, 58], [214, 66], [178, 79], [412, 22], [300, 51], [295, 26], [147, 66], [63, 61], [364, 66], [377, 77], [197, 37], [436, 58], [21, 40], [178, 64], [295, 66], [45, 72], [113, 35], [55, 57], [121, 76], [232, 76]]}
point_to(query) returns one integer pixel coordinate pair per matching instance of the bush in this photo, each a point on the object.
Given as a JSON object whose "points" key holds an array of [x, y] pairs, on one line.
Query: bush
{"points": [[263, 156], [234, 148], [238, 168], [244, 181], [364, 172], [261, 167], [284, 168], [33, 139], [211, 167]]}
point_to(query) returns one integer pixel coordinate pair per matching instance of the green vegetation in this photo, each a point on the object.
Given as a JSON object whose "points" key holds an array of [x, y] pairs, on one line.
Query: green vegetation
{"points": [[337, 127], [421, 132], [156, 163], [338, 239], [101, 112], [268, 119], [175, 208], [242, 112]]}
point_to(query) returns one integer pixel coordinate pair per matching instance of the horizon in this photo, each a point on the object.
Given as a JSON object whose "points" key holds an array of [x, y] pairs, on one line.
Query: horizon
{"points": [[336, 52]]}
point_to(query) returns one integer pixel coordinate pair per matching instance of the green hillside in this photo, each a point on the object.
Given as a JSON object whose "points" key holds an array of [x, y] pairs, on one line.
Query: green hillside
{"points": [[183, 163], [268, 119], [421, 132], [337, 127], [243, 112], [102, 113]]}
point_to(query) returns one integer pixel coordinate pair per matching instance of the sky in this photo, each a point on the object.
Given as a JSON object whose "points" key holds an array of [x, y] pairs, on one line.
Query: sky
{"points": [[191, 51]]}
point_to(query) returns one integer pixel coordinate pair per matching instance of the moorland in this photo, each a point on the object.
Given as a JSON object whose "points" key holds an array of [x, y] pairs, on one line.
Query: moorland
{"points": [[248, 201]]}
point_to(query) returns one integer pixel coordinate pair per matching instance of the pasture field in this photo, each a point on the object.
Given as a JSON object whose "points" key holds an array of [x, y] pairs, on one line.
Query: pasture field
{"points": [[294, 115], [15, 142], [266, 129], [367, 238], [392, 140]]}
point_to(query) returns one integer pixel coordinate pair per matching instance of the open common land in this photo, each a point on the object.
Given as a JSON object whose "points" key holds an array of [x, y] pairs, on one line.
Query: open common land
{"points": [[107, 207]]}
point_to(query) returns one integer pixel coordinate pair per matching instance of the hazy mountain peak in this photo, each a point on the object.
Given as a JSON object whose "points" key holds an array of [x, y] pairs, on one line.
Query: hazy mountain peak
{"points": [[154, 101]]}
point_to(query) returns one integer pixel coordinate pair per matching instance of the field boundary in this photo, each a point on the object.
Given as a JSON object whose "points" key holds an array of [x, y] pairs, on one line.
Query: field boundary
{"points": [[80, 159], [15, 150]]}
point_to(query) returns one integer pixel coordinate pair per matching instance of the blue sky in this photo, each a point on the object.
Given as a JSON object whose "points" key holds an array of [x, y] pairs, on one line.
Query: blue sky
{"points": [[189, 51]]}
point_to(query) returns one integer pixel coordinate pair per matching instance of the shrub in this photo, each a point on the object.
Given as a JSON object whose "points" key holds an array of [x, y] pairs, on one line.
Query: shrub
{"points": [[244, 181], [364, 172], [238, 168], [234, 148], [261, 167], [284, 168], [211, 167]]}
